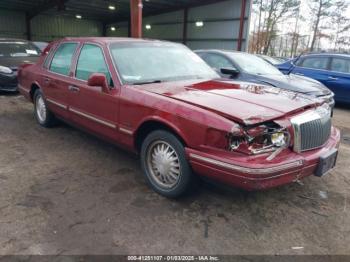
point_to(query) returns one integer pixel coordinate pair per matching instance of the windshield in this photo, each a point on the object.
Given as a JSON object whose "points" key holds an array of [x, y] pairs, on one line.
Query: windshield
{"points": [[157, 62], [18, 49], [252, 64], [271, 60]]}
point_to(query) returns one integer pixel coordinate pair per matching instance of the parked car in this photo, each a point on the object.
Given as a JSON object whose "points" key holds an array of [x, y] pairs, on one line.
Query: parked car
{"points": [[160, 100], [248, 67], [41, 45], [14, 52], [333, 70], [271, 60]]}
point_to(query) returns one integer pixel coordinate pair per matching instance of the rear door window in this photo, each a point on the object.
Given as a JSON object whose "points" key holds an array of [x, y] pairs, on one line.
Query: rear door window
{"points": [[315, 62], [340, 65], [91, 60], [62, 59]]}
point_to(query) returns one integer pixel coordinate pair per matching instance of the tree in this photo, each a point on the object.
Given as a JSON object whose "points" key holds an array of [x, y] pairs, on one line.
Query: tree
{"points": [[320, 9], [276, 11], [340, 21]]}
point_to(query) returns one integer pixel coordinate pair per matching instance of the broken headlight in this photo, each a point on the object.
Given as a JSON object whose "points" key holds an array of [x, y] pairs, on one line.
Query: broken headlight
{"points": [[260, 139]]}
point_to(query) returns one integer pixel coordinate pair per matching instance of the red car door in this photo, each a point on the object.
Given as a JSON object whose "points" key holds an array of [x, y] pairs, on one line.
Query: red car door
{"points": [[57, 78], [89, 106]]}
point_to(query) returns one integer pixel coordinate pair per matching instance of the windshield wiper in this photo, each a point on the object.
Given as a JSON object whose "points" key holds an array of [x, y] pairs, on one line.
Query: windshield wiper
{"points": [[147, 82]]}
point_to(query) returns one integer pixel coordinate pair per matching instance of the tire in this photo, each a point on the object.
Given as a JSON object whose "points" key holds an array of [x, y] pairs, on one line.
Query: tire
{"points": [[42, 114], [164, 164]]}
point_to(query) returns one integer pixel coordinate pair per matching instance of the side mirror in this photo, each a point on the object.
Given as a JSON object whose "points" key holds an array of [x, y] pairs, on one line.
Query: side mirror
{"points": [[230, 71], [99, 79]]}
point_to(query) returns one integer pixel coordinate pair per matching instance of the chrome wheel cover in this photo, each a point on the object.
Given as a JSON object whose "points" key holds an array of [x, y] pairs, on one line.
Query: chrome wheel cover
{"points": [[41, 109], [163, 164]]}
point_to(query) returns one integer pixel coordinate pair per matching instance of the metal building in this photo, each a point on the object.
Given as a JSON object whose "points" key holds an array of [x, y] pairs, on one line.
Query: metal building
{"points": [[197, 23]]}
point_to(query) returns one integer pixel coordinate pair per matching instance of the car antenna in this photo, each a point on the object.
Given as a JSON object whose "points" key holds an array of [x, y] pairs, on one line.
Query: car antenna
{"points": [[293, 63]]}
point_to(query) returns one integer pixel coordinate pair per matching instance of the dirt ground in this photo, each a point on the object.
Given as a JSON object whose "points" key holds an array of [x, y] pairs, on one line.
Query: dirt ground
{"points": [[65, 192]]}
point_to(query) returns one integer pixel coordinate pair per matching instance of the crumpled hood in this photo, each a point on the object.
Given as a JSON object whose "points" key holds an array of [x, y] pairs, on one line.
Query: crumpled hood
{"points": [[14, 62], [242, 102], [300, 84]]}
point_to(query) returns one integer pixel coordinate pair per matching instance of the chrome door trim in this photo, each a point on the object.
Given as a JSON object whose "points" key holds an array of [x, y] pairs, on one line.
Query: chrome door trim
{"points": [[56, 103], [93, 118], [126, 131], [23, 89]]}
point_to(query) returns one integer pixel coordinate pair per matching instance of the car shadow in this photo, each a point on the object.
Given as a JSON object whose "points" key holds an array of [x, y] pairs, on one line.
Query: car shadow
{"points": [[10, 94]]}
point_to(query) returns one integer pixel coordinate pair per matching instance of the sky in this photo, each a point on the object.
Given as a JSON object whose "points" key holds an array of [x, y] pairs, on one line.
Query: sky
{"points": [[305, 27]]}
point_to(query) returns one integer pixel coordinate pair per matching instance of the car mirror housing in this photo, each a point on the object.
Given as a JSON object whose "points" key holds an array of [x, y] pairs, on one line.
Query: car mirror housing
{"points": [[229, 71], [99, 79]]}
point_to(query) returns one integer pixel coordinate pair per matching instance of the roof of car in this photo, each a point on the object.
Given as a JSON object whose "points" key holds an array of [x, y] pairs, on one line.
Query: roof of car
{"points": [[328, 54], [223, 51], [104, 40]]}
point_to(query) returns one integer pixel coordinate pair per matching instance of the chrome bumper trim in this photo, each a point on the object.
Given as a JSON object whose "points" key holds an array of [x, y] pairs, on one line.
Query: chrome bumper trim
{"points": [[256, 171]]}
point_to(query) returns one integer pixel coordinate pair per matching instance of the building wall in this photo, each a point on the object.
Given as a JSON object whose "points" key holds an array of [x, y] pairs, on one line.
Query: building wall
{"points": [[220, 30], [12, 24], [46, 28]]}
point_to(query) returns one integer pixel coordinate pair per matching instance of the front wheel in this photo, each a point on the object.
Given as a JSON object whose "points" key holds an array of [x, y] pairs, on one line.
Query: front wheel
{"points": [[165, 165], [42, 114]]}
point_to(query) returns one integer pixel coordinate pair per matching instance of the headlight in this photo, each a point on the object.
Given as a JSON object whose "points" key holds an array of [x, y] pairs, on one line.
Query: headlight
{"points": [[261, 139], [5, 70], [278, 139]]}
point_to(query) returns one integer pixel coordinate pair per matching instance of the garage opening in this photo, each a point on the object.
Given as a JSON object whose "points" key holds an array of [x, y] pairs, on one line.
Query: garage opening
{"points": [[196, 23]]}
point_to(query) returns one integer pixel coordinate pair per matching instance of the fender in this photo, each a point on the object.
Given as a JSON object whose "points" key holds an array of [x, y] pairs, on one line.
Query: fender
{"points": [[165, 122]]}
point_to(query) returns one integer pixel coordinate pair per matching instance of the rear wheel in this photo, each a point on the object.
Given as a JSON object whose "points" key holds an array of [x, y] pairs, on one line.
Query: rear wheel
{"points": [[165, 165], [42, 114]]}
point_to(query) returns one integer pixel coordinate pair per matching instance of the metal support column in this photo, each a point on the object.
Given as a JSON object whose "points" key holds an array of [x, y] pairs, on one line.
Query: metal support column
{"points": [[28, 27], [184, 30], [241, 25], [136, 18]]}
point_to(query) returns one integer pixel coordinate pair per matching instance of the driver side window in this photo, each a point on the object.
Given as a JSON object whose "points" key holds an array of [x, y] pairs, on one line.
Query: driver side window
{"points": [[91, 60], [217, 61]]}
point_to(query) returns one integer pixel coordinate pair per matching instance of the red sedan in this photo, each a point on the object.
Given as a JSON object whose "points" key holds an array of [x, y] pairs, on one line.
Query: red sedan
{"points": [[160, 100]]}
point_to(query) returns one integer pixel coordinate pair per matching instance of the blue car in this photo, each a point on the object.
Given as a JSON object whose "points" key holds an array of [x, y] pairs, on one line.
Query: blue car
{"points": [[333, 70], [251, 68]]}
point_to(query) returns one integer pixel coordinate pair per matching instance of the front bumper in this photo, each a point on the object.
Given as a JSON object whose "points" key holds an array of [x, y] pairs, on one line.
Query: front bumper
{"points": [[257, 173], [8, 82]]}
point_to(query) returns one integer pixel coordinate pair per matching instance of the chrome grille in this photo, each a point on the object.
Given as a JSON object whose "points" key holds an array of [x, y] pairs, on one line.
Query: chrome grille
{"points": [[311, 129]]}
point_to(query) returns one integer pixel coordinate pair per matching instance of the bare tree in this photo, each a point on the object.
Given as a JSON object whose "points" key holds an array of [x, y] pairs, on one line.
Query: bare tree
{"points": [[320, 9], [276, 11], [340, 22]]}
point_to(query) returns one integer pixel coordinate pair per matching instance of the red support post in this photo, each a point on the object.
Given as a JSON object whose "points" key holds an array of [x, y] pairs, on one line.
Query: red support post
{"points": [[136, 18], [241, 25]]}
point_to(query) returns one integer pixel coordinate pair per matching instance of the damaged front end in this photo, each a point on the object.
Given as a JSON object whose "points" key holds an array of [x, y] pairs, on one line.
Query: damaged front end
{"points": [[265, 138]]}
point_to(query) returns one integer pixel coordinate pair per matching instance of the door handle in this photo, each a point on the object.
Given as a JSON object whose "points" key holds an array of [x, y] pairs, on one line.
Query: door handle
{"points": [[332, 78], [73, 88], [299, 74], [47, 80]]}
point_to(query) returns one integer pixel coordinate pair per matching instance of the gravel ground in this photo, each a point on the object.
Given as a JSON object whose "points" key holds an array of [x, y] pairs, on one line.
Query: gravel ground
{"points": [[65, 192]]}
